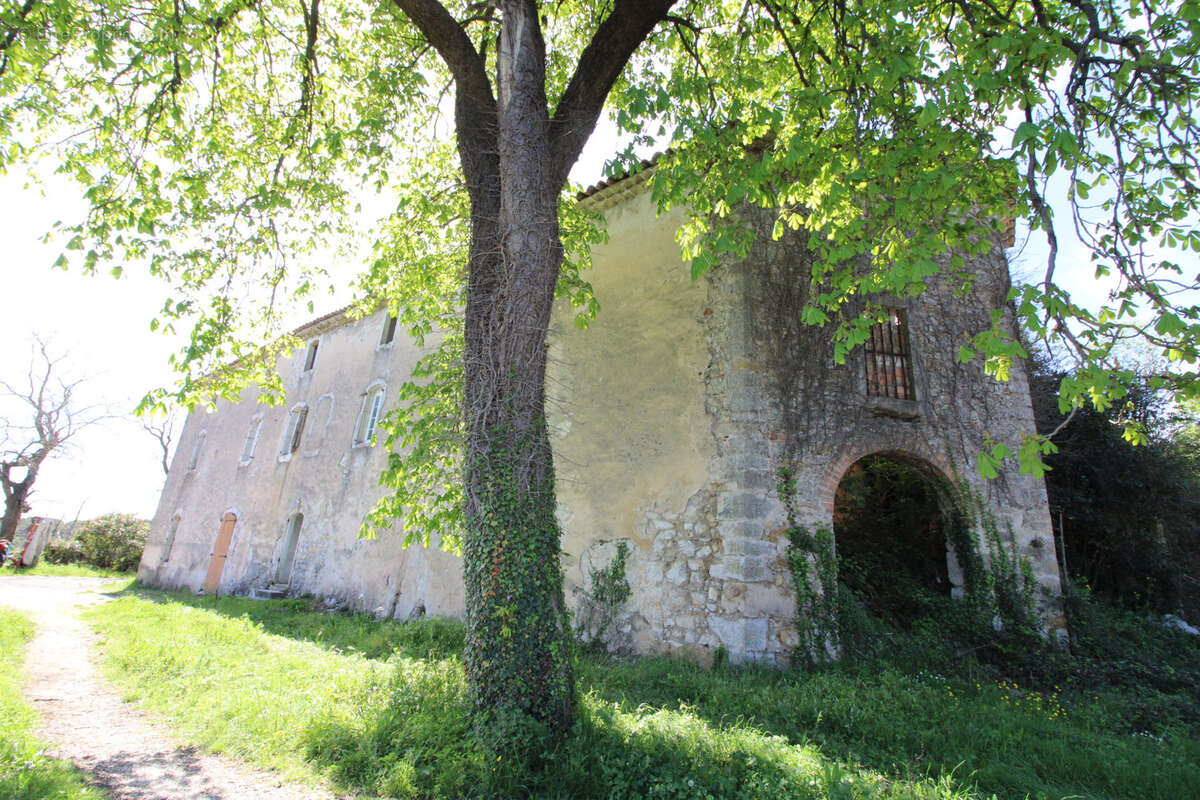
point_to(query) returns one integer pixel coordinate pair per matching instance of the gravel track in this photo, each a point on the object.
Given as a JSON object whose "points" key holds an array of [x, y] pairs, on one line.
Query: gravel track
{"points": [[124, 751]]}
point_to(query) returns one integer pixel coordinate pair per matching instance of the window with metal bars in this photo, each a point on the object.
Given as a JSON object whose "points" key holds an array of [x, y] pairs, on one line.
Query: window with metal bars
{"points": [[889, 358]]}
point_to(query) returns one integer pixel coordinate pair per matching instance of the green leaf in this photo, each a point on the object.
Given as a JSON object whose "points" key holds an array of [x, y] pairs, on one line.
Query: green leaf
{"points": [[1025, 132]]}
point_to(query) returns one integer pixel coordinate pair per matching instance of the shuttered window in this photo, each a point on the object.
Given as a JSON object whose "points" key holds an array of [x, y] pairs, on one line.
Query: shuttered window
{"points": [[251, 442], [389, 331], [368, 417], [293, 431]]}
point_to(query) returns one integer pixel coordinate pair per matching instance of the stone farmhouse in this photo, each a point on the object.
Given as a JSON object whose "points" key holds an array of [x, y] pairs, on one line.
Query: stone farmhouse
{"points": [[670, 419]]}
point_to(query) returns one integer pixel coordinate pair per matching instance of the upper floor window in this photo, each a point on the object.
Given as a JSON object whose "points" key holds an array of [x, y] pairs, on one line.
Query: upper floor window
{"points": [[889, 358], [310, 357], [251, 439], [322, 416], [368, 417], [196, 451], [389, 331], [293, 431]]}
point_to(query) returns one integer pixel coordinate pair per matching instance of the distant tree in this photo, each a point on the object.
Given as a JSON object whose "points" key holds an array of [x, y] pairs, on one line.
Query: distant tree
{"points": [[49, 416], [163, 430], [1129, 517]]}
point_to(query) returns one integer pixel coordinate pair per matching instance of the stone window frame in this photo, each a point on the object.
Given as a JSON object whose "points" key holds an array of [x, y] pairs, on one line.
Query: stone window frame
{"points": [[200, 440], [316, 436], [169, 542], [250, 444], [387, 337], [293, 431], [310, 354], [369, 414], [911, 408]]}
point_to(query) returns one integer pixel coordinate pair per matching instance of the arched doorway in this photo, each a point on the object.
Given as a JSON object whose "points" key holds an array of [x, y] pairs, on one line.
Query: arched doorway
{"points": [[890, 523]]}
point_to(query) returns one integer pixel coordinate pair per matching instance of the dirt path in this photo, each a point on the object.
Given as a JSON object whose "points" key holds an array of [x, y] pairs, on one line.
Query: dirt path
{"points": [[125, 752]]}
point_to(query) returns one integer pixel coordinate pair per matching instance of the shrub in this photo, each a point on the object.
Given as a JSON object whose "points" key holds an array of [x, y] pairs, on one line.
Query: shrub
{"points": [[62, 553], [114, 541]]}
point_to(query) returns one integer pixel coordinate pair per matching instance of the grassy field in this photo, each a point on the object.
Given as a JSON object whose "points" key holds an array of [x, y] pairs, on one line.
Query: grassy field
{"points": [[380, 709], [66, 570], [25, 771]]}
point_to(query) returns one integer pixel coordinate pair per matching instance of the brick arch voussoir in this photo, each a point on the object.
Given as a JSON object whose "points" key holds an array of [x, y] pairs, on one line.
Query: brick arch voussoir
{"points": [[906, 448]]}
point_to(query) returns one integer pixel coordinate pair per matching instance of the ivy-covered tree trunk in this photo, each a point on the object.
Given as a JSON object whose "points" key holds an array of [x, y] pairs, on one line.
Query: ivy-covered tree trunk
{"points": [[517, 656], [515, 158]]}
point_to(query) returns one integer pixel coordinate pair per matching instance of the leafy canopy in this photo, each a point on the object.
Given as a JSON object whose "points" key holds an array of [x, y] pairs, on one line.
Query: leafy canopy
{"points": [[230, 146]]}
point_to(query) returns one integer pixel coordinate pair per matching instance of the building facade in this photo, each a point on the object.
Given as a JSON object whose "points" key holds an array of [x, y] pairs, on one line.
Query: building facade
{"points": [[671, 417]]}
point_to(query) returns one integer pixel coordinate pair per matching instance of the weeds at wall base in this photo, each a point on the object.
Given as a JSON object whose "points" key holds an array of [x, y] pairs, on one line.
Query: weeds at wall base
{"points": [[998, 613]]}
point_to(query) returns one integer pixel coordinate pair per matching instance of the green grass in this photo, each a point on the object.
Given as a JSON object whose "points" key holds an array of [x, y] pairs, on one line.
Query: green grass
{"points": [[25, 771], [66, 570], [381, 708]]}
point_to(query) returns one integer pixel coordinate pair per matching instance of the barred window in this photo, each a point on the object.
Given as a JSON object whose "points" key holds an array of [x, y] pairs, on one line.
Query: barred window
{"points": [[889, 358]]}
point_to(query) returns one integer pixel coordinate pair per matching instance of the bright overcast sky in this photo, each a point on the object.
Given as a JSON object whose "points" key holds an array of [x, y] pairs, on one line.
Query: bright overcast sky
{"points": [[101, 327]]}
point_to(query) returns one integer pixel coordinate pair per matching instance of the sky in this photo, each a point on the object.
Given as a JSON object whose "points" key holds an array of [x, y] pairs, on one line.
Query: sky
{"points": [[100, 326]]}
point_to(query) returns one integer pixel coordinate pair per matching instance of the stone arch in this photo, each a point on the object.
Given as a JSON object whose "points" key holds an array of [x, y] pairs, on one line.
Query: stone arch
{"points": [[901, 549], [933, 461]]}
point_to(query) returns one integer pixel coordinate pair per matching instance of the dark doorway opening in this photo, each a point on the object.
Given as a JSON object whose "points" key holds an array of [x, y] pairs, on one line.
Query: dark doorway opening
{"points": [[890, 528]]}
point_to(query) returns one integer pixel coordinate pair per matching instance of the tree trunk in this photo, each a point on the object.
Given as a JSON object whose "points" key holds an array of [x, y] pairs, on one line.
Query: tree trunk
{"points": [[518, 647], [515, 161], [14, 503]]}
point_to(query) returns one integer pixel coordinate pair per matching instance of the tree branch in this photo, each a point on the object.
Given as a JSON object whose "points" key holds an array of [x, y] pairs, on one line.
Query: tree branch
{"points": [[599, 67], [450, 39]]}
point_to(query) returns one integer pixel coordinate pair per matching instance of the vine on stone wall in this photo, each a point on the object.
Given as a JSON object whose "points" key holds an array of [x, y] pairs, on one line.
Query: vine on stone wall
{"points": [[1001, 582], [599, 606], [813, 566]]}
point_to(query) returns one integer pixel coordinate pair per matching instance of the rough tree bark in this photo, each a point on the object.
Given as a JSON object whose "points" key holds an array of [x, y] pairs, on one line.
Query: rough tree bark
{"points": [[515, 158], [15, 494]]}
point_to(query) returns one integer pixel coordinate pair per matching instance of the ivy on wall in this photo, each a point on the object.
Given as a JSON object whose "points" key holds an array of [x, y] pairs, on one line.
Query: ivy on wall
{"points": [[813, 566], [999, 583]]}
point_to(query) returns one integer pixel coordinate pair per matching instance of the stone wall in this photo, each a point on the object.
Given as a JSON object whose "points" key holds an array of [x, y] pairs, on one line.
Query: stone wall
{"points": [[670, 419], [707, 555]]}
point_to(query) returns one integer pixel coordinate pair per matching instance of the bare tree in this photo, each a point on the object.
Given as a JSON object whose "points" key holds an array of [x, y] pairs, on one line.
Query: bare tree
{"points": [[163, 431], [49, 405]]}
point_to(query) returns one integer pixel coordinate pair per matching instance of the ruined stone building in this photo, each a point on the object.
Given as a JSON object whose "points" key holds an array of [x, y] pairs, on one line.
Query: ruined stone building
{"points": [[670, 417]]}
